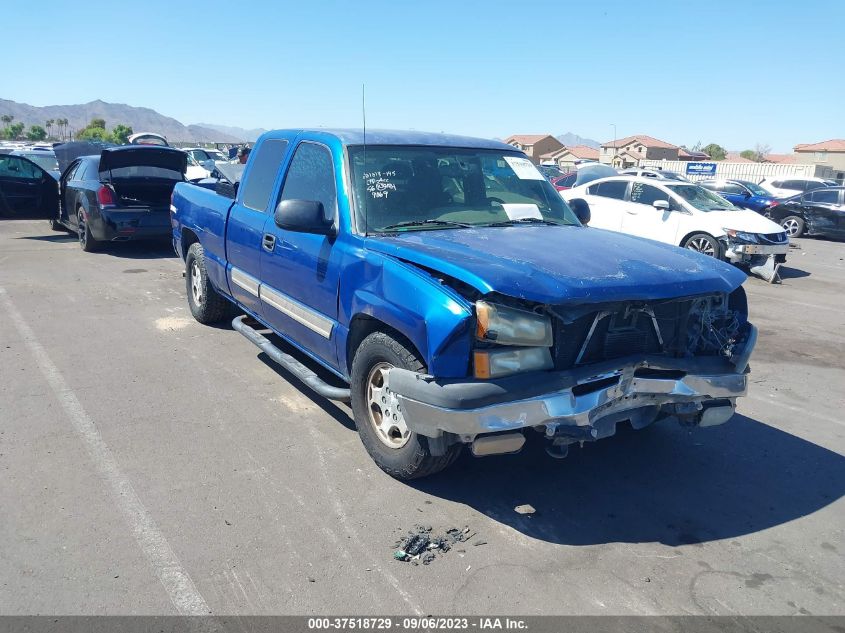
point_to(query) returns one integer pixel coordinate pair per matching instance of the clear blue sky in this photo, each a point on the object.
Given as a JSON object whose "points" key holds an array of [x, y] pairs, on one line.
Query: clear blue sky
{"points": [[736, 73]]}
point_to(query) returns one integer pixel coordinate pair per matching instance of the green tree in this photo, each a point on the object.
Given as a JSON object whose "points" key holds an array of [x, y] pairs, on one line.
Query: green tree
{"points": [[94, 134], [715, 151], [121, 133], [36, 133], [761, 152], [748, 154], [101, 123], [15, 131], [7, 119]]}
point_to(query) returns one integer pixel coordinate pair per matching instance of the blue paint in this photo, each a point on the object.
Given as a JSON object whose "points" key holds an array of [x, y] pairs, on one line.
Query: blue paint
{"points": [[398, 279]]}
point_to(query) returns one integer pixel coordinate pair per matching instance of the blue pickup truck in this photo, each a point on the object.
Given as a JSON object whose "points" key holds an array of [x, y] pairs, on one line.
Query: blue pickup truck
{"points": [[457, 298]]}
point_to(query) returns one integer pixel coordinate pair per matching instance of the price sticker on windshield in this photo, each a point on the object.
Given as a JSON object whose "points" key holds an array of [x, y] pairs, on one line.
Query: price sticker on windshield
{"points": [[524, 168], [522, 211]]}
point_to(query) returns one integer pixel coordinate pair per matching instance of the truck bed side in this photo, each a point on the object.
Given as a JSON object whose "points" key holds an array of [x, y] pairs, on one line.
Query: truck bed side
{"points": [[200, 214]]}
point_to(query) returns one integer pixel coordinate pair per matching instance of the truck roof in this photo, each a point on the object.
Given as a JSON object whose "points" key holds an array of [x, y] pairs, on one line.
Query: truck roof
{"points": [[396, 137]]}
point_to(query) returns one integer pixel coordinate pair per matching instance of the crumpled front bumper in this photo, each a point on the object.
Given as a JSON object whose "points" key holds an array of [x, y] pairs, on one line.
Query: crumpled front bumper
{"points": [[637, 389]]}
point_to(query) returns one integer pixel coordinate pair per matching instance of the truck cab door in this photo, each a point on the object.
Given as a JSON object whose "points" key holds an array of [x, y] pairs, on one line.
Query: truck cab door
{"points": [[249, 215], [300, 271]]}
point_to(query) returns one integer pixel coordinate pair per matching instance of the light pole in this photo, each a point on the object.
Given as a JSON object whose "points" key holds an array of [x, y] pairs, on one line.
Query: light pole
{"points": [[613, 160]]}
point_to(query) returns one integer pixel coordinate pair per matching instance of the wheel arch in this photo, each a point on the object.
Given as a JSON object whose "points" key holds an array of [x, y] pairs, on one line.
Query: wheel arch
{"points": [[361, 326]]}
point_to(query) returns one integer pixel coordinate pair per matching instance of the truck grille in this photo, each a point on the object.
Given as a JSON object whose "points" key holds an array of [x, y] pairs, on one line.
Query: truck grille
{"points": [[616, 332]]}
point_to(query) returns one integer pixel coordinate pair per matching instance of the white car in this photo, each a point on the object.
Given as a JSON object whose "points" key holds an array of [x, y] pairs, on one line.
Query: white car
{"points": [[204, 154], [195, 171], [660, 174], [785, 187], [683, 214]]}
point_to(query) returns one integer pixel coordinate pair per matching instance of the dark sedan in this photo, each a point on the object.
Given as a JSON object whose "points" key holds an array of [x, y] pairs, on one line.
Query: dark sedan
{"points": [[817, 212], [122, 194]]}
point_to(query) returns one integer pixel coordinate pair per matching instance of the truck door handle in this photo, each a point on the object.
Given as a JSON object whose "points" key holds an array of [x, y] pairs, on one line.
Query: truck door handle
{"points": [[268, 243]]}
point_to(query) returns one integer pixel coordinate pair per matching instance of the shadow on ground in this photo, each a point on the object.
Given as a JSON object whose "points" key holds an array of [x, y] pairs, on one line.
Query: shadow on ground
{"points": [[664, 484]]}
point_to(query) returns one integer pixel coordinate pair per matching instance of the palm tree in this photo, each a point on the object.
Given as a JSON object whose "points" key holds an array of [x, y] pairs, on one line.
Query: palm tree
{"points": [[49, 125], [7, 118]]}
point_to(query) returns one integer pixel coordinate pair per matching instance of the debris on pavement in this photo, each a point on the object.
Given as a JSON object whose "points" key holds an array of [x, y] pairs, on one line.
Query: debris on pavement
{"points": [[525, 509], [422, 545]]}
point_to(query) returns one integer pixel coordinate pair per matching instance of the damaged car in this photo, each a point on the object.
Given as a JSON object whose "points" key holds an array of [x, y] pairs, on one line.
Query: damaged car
{"points": [[818, 212], [687, 215], [443, 287], [120, 194]]}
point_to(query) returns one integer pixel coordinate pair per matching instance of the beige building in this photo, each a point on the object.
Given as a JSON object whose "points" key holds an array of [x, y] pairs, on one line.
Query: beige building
{"points": [[627, 152], [827, 153], [567, 157], [534, 145]]}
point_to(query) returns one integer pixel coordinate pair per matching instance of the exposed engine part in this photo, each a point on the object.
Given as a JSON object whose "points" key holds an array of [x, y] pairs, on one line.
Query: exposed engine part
{"points": [[713, 328]]}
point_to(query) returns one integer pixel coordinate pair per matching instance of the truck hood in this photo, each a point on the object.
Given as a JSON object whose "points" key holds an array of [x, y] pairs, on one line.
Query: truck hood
{"points": [[742, 220], [562, 264]]}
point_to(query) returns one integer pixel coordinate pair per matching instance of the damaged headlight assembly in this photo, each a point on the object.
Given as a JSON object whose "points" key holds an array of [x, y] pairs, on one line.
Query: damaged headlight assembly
{"points": [[741, 237], [528, 335]]}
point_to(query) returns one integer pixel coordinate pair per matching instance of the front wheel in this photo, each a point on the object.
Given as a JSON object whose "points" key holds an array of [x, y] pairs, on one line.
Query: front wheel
{"points": [[55, 225], [397, 450], [703, 243], [206, 304], [793, 225]]}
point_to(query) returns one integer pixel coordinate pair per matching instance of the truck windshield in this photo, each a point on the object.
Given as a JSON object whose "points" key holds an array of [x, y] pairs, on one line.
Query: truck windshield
{"points": [[402, 188]]}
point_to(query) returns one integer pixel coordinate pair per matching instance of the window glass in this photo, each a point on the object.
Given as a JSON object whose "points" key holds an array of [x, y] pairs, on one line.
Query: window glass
{"points": [[812, 184], [777, 184], [408, 188], [72, 173], [795, 184], [311, 177], [710, 186], [701, 198], [262, 175], [642, 193], [15, 167], [610, 189], [756, 190], [825, 196], [732, 188]]}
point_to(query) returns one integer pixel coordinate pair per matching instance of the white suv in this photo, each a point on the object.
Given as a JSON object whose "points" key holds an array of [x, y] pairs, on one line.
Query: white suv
{"points": [[683, 214], [784, 187]]}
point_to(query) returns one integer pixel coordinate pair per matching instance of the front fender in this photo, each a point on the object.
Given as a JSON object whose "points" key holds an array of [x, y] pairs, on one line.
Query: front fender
{"points": [[435, 318]]}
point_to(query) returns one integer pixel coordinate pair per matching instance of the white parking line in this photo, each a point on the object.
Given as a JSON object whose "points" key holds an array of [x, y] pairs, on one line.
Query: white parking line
{"points": [[178, 584]]}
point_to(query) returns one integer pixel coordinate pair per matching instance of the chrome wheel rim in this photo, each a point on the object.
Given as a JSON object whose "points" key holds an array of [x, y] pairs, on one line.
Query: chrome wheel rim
{"points": [[383, 409], [80, 223], [196, 285], [790, 225], [702, 245]]}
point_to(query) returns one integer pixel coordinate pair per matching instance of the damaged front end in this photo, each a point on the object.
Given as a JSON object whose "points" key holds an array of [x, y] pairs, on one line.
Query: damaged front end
{"points": [[573, 373]]}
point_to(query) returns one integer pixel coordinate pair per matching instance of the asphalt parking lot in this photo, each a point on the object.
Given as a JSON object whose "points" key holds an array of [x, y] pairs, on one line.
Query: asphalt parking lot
{"points": [[152, 465]]}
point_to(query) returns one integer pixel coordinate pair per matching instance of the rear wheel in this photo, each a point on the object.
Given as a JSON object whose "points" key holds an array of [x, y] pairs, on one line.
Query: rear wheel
{"points": [[397, 450], [206, 304], [86, 240], [793, 225], [703, 243]]}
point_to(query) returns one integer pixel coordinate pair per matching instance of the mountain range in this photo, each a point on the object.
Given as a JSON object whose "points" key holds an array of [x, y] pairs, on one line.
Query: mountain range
{"points": [[139, 119], [569, 139], [148, 120]]}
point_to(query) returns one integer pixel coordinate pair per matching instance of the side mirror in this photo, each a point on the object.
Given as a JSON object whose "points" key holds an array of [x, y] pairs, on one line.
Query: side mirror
{"points": [[581, 209], [661, 205], [302, 216], [747, 194]]}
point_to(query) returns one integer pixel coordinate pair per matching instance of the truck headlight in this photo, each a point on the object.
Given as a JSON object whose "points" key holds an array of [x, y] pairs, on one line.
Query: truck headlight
{"points": [[504, 362], [509, 326]]}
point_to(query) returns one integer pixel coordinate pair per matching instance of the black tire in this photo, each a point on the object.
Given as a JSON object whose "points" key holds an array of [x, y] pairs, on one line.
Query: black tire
{"points": [[86, 241], [793, 225], [705, 244], [206, 304], [413, 459]]}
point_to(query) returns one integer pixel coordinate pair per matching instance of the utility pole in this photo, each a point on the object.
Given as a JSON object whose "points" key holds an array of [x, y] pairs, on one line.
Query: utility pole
{"points": [[613, 160]]}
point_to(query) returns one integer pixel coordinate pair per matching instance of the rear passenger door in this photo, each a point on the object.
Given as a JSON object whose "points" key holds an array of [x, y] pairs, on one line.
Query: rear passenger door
{"points": [[300, 271], [607, 204], [247, 219]]}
